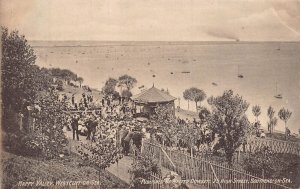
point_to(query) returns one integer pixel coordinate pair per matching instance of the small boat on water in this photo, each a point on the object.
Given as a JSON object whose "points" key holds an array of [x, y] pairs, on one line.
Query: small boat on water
{"points": [[279, 96], [185, 72], [239, 75]]}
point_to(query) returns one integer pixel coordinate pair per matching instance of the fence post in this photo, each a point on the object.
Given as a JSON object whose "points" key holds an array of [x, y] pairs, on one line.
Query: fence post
{"points": [[160, 156], [215, 176]]}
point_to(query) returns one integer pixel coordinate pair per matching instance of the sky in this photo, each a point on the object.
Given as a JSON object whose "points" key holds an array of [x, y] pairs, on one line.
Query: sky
{"points": [[154, 20]]}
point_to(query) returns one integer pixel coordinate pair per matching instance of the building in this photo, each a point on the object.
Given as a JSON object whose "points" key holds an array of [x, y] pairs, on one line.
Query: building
{"points": [[149, 99]]}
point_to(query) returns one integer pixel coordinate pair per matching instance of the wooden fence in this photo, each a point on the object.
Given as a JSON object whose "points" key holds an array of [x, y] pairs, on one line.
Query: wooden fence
{"points": [[154, 178], [206, 174], [277, 146]]}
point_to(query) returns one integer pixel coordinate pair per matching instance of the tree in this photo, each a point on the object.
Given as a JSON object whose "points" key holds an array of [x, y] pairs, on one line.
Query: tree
{"points": [[109, 87], [127, 94], [203, 114], [18, 77], [256, 111], [187, 96], [102, 153], [198, 96], [49, 125], [67, 75], [80, 80], [229, 121], [64, 74], [194, 94], [284, 115], [272, 120], [126, 81], [21, 78]]}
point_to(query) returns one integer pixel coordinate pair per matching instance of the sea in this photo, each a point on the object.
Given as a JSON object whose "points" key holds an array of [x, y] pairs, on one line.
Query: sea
{"points": [[268, 69]]}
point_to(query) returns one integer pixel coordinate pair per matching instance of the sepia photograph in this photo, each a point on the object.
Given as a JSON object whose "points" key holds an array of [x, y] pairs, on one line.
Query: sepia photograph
{"points": [[140, 94]]}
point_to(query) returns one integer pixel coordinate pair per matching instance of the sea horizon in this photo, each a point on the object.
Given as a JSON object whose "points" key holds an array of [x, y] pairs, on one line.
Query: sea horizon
{"points": [[263, 64]]}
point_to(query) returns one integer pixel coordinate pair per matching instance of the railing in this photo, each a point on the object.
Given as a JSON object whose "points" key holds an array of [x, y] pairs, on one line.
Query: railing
{"points": [[207, 174], [278, 146]]}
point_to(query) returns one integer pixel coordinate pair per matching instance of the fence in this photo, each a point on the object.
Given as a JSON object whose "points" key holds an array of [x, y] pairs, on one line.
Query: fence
{"points": [[207, 174], [154, 178], [278, 146]]}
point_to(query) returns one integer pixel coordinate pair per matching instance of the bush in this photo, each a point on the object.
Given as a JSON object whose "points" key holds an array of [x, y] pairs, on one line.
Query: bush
{"points": [[142, 168], [268, 164], [60, 85], [263, 162], [47, 139], [22, 144]]}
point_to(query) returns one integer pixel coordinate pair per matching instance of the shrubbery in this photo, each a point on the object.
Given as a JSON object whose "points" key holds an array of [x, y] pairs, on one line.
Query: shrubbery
{"points": [[46, 139], [267, 164], [142, 168], [263, 162]]}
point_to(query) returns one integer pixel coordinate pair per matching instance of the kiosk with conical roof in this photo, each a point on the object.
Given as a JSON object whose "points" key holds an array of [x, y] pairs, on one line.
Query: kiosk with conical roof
{"points": [[149, 99]]}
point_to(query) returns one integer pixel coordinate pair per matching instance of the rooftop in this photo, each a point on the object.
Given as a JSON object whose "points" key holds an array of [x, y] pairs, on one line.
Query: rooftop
{"points": [[153, 95]]}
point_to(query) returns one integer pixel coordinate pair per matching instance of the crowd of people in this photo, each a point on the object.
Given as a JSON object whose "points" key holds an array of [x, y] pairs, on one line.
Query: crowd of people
{"points": [[111, 121]]}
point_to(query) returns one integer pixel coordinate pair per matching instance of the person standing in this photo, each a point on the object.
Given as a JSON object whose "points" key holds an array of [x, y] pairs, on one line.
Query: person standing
{"points": [[73, 99], [74, 125], [108, 102], [127, 142], [122, 134]]}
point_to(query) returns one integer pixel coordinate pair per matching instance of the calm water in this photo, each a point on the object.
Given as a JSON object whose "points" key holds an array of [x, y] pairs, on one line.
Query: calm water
{"points": [[262, 64]]}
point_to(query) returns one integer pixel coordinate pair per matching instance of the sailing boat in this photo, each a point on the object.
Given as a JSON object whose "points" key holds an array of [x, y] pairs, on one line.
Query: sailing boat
{"points": [[279, 96], [239, 75]]}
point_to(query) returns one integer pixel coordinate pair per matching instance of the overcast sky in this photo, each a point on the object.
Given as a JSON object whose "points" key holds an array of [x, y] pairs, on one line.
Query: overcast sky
{"points": [[159, 20]]}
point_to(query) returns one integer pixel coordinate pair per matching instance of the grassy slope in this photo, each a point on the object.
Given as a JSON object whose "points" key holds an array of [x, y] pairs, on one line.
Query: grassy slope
{"points": [[69, 90], [183, 114], [70, 168]]}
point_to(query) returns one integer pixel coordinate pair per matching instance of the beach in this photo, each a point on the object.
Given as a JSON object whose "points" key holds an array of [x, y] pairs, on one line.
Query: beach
{"points": [[181, 65]]}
